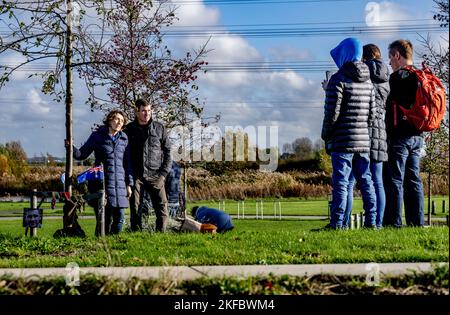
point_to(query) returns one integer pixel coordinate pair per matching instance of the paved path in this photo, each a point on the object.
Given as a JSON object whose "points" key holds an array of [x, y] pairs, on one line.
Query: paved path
{"points": [[193, 272]]}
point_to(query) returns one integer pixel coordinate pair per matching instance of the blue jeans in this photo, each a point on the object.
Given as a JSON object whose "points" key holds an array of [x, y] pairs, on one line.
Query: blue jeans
{"points": [[402, 180], [348, 209], [343, 165], [376, 169]]}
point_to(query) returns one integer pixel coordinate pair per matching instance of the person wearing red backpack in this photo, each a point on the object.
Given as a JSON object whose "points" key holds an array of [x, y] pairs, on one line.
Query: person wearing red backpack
{"points": [[405, 142]]}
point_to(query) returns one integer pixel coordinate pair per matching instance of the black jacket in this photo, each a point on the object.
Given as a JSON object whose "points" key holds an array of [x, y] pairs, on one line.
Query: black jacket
{"points": [[403, 86], [379, 75], [150, 149], [350, 98]]}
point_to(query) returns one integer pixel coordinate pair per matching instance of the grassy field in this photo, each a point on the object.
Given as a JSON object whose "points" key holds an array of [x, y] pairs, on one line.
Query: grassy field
{"points": [[289, 206], [251, 242]]}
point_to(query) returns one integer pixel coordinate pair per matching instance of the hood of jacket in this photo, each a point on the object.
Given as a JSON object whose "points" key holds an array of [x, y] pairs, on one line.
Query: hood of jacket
{"points": [[356, 70], [350, 49], [379, 71]]}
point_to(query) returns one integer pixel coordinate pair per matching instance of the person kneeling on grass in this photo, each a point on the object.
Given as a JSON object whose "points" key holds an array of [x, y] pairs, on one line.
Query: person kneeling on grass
{"points": [[213, 216]]}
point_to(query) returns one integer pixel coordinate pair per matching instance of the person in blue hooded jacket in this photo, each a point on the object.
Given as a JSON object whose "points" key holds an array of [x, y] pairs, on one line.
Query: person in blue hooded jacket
{"points": [[110, 146], [214, 216], [350, 99], [379, 75]]}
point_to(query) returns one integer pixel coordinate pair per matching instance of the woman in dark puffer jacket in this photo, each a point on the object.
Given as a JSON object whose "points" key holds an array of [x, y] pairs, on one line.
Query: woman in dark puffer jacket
{"points": [[379, 75], [110, 146]]}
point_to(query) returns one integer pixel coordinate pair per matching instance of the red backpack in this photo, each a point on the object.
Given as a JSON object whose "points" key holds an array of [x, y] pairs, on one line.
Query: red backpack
{"points": [[429, 107]]}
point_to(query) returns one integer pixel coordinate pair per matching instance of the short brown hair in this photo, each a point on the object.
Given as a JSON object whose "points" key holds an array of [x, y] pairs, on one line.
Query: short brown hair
{"points": [[404, 47], [140, 102], [113, 114], [371, 51]]}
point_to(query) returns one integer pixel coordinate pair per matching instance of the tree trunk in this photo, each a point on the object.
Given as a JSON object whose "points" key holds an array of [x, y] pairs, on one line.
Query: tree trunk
{"points": [[68, 62]]}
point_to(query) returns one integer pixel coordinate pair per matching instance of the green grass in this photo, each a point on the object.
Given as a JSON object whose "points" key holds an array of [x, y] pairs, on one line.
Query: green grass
{"points": [[289, 206], [297, 206], [251, 242]]}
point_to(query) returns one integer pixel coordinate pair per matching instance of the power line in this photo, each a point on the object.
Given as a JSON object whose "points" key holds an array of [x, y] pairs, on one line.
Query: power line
{"points": [[248, 66], [395, 23], [295, 31], [363, 23], [241, 2]]}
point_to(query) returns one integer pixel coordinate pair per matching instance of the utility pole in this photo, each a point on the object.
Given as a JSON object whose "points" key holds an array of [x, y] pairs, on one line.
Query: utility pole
{"points": [[68, 64]]}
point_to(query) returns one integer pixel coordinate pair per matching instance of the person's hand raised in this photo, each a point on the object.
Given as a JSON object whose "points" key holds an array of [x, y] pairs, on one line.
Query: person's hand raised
{"points": [[324, 84]]}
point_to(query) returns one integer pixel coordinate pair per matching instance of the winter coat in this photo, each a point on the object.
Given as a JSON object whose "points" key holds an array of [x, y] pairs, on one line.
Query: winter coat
{"points": [[403, 86], [150, 149], [349, 99], [115, 156], [173, 184], [379, 75], [214, 216]]}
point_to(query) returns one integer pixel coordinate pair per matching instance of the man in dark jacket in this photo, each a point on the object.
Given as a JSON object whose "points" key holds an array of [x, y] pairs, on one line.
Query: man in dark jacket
{"points": [[405, 143], [151, 162], [350, 97]]}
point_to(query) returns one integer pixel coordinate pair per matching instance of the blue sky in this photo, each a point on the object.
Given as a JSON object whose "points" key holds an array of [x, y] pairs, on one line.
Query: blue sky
{"points": [[291, 100]]}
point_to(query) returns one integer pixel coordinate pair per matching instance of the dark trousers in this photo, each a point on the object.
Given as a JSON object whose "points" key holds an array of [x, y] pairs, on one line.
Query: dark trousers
{"points": [[114, 220], [154, 186]]}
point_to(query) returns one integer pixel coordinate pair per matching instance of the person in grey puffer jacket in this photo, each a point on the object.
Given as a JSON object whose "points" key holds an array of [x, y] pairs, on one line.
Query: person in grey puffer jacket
{"points": [[151, 162], [379, 75], [349, 103]]}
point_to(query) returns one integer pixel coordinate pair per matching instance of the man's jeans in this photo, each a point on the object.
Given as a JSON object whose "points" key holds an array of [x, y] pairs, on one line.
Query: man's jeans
{"points": [[402, 180], [343, 164], [376, 169]]}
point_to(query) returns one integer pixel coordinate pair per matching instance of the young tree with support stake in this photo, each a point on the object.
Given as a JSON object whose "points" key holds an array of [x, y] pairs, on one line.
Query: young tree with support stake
{"points": [[40, 30], [117, 48]]}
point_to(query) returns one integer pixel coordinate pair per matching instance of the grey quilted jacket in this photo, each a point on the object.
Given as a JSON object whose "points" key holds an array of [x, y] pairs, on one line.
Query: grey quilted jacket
{"points": [[379, 75], [350, 98]]}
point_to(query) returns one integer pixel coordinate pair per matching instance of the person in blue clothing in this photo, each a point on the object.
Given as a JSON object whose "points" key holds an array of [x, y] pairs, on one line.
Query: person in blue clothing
{"points": [[379, 75], [173, 191], [349, 104], [217, 217], [110, 146]]}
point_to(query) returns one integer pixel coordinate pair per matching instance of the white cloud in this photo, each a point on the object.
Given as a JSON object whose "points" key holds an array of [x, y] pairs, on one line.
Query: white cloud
{"points": [[289, 79], [286, 53], [246, 98], [196, 14], [15, 59], [386, 13], [36, 105]]}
